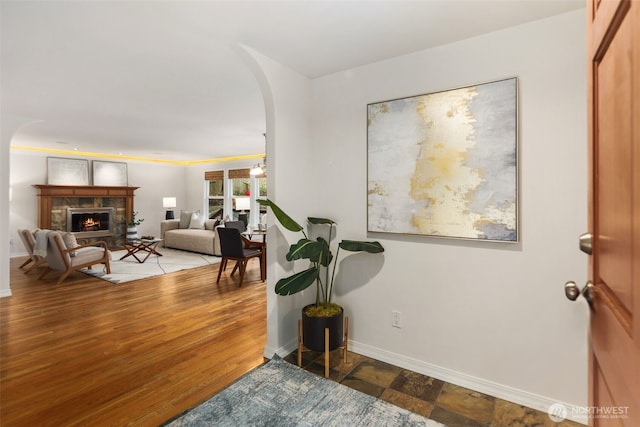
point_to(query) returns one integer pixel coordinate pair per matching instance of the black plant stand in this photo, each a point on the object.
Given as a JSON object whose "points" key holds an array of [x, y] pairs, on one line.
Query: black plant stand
{"points": [[344, 345]]}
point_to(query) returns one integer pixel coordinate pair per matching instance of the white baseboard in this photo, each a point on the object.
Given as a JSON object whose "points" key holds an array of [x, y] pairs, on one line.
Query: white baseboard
{"points": [[281, 351], [5, 293], [490, 388]]}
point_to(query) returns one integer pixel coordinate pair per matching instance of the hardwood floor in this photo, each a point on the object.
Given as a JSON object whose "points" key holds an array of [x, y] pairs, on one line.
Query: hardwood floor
{"points": [[87, 352]]}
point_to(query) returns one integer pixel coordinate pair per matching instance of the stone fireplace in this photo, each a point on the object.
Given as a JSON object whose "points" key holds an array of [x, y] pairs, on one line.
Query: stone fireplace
{"points": [[55, 202]]}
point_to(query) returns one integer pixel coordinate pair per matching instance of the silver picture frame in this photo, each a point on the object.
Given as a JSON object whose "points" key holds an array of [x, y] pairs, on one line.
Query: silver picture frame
{"points": [[113, 174], [445, 164], [63, 171]]}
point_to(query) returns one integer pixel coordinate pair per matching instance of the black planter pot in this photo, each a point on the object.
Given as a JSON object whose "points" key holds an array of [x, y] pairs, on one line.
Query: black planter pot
{"points": [[313, 331]]}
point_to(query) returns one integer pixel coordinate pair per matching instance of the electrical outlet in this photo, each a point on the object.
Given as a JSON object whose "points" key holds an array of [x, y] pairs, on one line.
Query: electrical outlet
{"points": [[395, 319]]}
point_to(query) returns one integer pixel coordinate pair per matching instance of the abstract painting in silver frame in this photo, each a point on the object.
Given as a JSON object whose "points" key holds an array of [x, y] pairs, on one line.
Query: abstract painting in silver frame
{"points": [[110, 173], [62, 171], [445, 164]]}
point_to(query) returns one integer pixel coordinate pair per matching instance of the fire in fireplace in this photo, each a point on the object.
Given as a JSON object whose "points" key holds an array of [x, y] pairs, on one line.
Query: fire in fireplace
{"points": [[90, 222]]}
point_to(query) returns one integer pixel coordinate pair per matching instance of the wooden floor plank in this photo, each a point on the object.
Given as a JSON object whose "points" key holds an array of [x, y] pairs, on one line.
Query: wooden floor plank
{"points": [[87, 352]]}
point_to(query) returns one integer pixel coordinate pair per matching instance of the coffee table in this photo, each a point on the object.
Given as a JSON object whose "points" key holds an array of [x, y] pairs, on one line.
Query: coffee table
{"points": [[142, 245]]}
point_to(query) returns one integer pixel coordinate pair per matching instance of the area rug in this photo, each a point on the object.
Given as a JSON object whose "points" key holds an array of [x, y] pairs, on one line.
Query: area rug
{"points": [[129, 269], [281, 394]]}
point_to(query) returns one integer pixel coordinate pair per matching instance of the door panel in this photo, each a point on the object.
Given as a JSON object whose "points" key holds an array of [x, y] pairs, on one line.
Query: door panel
{"points": [[606, 401], [614, 166], [613, 33]]}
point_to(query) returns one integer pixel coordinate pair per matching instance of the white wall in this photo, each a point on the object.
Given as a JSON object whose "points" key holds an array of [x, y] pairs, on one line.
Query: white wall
{"points": [[287, 97], [156, 180], [488, 315], [9, 125]]}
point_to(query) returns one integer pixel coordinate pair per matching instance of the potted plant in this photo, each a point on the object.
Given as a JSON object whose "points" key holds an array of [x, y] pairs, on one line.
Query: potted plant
{"points": [[132, 227], [324, 313]]}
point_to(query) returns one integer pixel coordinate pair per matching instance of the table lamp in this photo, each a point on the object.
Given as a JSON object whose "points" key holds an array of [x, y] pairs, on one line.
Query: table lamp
{"points": [[169, 203], [243, 204]]}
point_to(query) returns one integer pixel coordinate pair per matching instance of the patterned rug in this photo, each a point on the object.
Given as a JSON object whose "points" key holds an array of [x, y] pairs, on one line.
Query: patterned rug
{"points": [[129, 269], [281, 394]]}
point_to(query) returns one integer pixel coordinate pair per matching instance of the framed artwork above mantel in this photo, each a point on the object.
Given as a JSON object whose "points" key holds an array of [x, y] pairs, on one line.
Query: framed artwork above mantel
{"points": [[445, 164], [109, 173], [61, 171]]}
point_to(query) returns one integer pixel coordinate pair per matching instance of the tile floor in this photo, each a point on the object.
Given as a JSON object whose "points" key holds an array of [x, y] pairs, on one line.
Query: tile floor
{"points": [[447, 403]]}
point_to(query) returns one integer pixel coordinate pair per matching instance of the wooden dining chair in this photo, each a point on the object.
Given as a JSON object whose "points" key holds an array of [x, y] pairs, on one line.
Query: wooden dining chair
{"points": [[251, 244], [235, 224], [248, 243], [233, 248]]}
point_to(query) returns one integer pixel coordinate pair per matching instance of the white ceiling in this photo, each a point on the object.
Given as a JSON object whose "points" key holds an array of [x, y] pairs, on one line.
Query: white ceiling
{"points": [[160, 79]]}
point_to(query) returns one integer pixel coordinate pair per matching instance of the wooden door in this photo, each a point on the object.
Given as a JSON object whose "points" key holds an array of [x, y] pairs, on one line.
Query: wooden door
{"points": [[613, 33]]}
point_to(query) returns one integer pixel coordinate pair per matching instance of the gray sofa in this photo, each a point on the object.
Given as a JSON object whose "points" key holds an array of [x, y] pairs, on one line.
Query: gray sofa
{"points": [[189, 239]]}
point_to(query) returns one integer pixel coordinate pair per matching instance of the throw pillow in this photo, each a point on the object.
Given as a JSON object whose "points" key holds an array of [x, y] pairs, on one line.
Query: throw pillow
{"points": [[197, 221], [70, 242], [185, 218]]}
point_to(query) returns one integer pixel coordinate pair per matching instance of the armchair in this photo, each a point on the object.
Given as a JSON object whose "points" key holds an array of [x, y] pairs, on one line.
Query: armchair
{"points": [[29, 241], [68, 260]]}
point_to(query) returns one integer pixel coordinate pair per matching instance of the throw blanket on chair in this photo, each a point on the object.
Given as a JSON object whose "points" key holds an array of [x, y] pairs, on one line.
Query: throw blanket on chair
{"points": [[42, 238]]}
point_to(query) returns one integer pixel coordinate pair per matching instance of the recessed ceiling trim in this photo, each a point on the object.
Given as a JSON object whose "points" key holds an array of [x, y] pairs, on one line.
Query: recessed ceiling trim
{"points": [[135, 158]]}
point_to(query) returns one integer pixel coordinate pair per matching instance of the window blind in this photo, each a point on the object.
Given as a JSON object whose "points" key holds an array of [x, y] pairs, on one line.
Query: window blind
{"points": [[213, 175], [239, 173]]}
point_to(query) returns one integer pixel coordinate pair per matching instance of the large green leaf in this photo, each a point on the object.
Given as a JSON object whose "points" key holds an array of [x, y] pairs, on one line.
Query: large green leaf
{"points": [[296, 283], [284, 219], [313, 250], [314, 220], [305, 249], [356, 246], [325, 256]]}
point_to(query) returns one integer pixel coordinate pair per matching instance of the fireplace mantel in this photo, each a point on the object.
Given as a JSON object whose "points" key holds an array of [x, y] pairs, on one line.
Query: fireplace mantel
{"points": [[83, 191], [46, 193]]}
